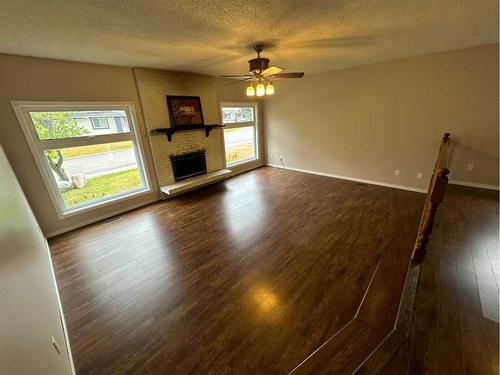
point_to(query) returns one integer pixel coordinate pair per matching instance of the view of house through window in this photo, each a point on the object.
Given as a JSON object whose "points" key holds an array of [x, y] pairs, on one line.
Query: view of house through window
{"points": [[89, 156], [240, 139]]}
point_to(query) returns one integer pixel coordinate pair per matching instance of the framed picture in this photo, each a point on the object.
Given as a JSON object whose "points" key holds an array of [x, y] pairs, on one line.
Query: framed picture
{"points": [[184, 111]]}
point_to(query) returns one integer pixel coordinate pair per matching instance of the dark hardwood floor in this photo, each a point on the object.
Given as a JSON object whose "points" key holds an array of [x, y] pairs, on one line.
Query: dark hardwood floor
{"points": [[248, 276], [455, 325]]}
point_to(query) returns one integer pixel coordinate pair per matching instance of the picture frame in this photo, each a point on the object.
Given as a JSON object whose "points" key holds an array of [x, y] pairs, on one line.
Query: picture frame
{"points": [[184, 111]]}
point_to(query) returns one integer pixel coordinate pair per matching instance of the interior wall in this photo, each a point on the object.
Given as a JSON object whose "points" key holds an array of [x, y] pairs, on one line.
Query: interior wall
{"points": [[363, 122], [35, 79], [368, 121], [153, 87], [30, 316]]}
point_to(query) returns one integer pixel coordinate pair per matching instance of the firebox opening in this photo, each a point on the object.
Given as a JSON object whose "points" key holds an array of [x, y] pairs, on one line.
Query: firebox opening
{"points": [[188, 165]]}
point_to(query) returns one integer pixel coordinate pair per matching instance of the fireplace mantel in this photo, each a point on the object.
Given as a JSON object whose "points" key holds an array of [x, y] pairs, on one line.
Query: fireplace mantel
{"points": [[186, 128]]}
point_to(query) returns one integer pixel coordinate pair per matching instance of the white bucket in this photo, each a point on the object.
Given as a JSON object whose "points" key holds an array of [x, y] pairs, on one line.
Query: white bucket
{"points": [[79, 180]]}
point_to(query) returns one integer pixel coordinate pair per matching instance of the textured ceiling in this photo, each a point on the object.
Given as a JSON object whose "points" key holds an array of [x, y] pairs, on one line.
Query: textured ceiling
{"points": [[212, 37]]}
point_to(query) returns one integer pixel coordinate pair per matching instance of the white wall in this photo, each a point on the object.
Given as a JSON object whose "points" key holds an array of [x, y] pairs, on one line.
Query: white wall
{"points": [[29, 304]]}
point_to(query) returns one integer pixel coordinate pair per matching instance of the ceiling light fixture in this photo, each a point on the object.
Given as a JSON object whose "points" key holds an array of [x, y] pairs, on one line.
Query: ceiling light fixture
{"points": [[250, 90], [260, 74], [260, 90], [269, 88]]}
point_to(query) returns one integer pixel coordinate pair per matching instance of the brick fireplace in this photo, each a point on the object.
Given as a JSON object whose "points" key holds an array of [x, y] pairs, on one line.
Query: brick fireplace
{"points": [[153, 86]]}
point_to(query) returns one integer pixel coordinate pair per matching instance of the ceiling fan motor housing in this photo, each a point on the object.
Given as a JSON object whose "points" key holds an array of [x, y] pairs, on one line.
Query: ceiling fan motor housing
{"points": [[258, 64]]}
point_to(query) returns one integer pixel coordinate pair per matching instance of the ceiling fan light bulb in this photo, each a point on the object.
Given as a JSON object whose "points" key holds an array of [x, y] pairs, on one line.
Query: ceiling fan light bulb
{"points": [[269, 89], [260, 89], [250, 91]]}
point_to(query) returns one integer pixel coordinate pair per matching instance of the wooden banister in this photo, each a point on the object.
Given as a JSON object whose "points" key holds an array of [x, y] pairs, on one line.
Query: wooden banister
{"points": [[396, 340], [435, 195], [362, 346]]}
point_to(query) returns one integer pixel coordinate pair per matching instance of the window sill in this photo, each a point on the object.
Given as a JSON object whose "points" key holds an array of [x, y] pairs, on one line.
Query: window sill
{"points": [[104, 202], [242, 162]]}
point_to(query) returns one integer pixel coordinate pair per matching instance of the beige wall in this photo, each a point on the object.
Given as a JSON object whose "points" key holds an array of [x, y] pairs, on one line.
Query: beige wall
{"points": [[362, 122], [365, 122], [30, 315], [34, 79]]}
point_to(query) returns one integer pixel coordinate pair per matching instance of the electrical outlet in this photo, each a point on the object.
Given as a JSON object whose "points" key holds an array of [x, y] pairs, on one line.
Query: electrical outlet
{"points": [[470, 167], [397, 172], [271, 156], [419, 175], [281, 157]]}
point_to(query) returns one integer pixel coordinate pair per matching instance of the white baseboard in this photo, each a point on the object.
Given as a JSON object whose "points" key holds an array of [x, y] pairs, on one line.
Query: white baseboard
{"points": [[101, 217], [370, 182], [474, 185], [257, 165]]}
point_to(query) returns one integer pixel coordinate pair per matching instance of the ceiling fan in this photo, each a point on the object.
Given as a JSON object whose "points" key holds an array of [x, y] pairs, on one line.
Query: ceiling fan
{"points": [[261, 75]]}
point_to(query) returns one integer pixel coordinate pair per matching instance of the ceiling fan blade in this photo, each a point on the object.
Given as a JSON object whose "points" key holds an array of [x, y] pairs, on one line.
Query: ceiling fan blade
{"points": [[235, 75], [238, 81], [288, 75], [272, 70]]}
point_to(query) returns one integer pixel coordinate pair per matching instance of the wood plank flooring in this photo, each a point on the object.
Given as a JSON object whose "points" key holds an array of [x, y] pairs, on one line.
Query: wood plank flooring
{"points": [[248, 276], [455, 326]]}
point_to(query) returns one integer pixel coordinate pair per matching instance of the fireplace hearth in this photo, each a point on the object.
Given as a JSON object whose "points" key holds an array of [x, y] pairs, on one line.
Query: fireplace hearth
{"points": [[188, 165]]}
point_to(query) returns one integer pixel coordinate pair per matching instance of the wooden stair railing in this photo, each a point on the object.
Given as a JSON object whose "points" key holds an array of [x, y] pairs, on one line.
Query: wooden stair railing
{"points": [[367, 343], [435, 195], [399, 337]]}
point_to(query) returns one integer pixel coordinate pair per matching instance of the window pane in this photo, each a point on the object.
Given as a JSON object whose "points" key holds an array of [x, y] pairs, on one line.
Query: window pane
{"points": [[85, 174], [57, 125], [240, 144], [99, 122], [232, 115]]}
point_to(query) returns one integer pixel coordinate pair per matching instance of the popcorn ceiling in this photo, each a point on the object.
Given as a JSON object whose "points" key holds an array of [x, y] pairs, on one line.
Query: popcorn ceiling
{"points": [[212, 37]]}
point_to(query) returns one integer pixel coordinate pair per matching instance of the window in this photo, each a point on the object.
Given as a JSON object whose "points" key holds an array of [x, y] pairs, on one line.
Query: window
{"points": [[121, 124], [240, 133], [99, 122], [85, 160]]}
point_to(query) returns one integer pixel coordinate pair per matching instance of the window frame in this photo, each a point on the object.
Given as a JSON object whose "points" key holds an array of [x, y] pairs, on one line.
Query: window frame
{"points": [[99, 120], [236, 125], [38, 147]]}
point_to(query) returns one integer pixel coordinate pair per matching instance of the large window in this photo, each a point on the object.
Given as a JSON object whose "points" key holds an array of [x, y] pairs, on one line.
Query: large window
{"points": [[240, 133], [88, 153]]}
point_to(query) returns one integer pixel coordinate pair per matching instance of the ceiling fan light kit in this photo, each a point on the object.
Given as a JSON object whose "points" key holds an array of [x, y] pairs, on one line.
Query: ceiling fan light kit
{"points": [[250, 90], [260, 89], [261, 74], [269, 88]]}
